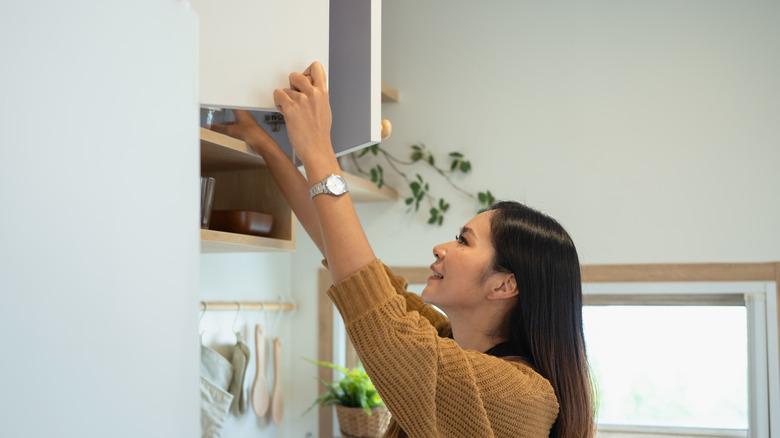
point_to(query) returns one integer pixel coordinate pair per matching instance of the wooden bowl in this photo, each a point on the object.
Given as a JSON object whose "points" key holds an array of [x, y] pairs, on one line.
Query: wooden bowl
{"points": [[241, 222]]}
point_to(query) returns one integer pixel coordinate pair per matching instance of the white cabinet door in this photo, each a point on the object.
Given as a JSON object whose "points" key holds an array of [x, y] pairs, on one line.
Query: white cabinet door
{"points": [[249, 47], [355, 73]]}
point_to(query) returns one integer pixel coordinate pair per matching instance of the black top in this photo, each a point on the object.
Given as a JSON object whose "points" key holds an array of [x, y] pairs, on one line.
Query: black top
{"points": [[503, 349]]}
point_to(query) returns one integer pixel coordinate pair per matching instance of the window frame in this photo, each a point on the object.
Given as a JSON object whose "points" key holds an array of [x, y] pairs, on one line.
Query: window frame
{"points": [[756, 286]]}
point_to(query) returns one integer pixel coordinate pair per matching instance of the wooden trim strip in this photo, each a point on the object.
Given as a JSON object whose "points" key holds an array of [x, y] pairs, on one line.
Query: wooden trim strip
{"points": [[648, 272], [777, 285], [248, 306], [679, 272], [413, 274], [324, 347], [664, 300]]}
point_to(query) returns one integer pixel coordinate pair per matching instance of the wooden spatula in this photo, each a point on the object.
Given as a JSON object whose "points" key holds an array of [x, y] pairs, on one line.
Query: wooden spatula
{"points": [[277, 404], [260, 399]]}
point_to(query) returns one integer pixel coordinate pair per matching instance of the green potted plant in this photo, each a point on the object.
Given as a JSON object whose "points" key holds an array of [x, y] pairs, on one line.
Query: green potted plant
{"points": [[359, 409]]}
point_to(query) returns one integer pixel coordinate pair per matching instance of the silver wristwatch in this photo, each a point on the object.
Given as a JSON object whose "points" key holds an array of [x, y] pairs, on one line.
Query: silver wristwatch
{"points": [[332, 185]]}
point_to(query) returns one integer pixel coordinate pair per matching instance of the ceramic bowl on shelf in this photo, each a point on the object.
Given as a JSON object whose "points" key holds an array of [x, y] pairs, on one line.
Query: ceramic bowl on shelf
{"points": [[241, 222]]}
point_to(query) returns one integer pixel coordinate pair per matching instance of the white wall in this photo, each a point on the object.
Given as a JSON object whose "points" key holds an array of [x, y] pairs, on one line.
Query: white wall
{"points": [[264, 277], [649, 129], [98, 236]]}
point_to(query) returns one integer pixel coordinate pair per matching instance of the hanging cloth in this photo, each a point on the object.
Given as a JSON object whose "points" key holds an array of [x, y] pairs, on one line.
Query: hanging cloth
{"points": [[215, 376]]}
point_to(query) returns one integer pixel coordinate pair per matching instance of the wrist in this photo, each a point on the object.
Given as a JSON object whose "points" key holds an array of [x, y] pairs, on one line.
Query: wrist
{"points": [[321, 167], [316, 152], [261, 142]]}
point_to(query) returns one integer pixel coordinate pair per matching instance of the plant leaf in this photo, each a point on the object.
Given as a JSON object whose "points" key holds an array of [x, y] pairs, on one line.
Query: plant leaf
{"points": [[340, 369]]}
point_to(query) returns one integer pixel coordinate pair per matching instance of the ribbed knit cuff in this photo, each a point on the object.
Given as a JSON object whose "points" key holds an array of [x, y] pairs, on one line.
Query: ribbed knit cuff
{"points": [[362, 291]]}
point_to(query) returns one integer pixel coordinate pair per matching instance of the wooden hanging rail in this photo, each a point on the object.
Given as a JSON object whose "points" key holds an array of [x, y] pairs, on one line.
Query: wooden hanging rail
{"points": [[254, 306]]}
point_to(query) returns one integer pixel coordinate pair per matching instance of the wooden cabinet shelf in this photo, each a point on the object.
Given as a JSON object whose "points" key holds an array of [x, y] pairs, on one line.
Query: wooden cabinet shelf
{"points": [[243, 182], [220, 241]]}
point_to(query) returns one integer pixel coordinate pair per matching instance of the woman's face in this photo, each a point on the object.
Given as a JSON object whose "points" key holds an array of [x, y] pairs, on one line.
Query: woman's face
{"points": [[462, 267]]}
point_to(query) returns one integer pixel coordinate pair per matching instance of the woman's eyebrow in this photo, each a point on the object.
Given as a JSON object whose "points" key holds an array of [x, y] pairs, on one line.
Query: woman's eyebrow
{"points": [[465, 230]]}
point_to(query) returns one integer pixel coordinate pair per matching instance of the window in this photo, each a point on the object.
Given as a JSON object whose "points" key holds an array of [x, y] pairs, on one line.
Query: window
{"points": [[673, 366], [681, 359]]}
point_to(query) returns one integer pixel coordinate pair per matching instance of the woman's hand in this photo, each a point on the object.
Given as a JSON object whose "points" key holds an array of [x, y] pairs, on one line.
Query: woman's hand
{"points": [[306, 111], [246, 128]]}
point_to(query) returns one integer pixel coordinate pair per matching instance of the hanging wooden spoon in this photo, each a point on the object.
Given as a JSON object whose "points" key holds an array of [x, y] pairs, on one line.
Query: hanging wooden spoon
{"points": [[260, 400], [277, 404]]}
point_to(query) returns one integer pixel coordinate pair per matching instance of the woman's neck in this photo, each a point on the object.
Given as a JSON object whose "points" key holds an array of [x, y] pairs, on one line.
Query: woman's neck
{"points": [[475, 330]]}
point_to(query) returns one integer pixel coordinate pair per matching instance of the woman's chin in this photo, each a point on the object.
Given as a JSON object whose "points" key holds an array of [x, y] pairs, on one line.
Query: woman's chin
{"points": [[425, 294]]}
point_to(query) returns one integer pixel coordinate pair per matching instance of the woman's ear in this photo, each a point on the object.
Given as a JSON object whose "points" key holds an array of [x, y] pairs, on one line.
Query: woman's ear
{"points": [[506, 288]]}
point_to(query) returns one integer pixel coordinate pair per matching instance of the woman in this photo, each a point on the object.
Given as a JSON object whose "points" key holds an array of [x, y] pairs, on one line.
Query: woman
{"points": [[508, 360]]}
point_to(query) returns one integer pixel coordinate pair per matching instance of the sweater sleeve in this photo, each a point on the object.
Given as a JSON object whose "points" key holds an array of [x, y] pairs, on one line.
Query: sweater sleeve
{"points": [[431, 386], [414, 303]]}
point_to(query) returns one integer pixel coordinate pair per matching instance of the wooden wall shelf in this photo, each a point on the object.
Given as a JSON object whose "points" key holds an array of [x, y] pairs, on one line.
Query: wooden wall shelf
{"points": [[389, 94], [363, 190]]}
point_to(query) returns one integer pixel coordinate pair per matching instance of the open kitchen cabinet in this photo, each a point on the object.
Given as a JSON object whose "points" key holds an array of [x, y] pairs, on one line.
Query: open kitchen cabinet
{"points": [[247, 49]]}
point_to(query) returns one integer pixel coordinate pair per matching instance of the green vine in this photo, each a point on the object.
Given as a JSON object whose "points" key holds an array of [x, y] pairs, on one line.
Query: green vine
{"points": [[419, 187]]}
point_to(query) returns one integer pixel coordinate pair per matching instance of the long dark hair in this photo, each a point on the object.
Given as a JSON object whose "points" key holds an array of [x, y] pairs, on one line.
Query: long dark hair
{"points": [[546, 322]]}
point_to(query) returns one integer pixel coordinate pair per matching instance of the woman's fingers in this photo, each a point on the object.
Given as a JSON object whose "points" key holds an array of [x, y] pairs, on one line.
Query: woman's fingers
{"points": [[242, 126], [317, 74], [244, 117], [300, 82], [222, 129], [282, 99]]}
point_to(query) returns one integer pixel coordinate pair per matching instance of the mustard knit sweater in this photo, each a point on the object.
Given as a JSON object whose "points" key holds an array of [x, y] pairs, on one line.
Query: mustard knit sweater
{"points": [[431, 386]]}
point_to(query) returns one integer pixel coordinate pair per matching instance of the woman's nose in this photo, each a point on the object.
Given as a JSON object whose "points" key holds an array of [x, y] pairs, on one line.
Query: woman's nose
{"points": [[439, 251]]}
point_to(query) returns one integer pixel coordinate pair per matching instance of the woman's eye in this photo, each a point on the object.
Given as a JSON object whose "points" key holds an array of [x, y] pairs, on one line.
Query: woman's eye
{"points": [[460, 239]]}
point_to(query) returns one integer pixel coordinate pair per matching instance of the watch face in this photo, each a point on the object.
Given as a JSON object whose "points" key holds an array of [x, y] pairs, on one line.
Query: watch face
{"points": [[336, 185]]}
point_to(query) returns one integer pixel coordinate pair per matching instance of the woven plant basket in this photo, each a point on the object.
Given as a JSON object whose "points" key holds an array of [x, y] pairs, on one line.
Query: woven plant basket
{"points": [[355, 423]]}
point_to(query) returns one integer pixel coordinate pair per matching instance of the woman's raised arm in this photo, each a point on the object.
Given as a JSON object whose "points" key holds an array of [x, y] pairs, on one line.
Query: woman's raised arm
{"points": [[306, 110]]}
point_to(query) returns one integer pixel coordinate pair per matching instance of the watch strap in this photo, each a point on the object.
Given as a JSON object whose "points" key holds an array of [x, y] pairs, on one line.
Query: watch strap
{"points": [[322, 187]]}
